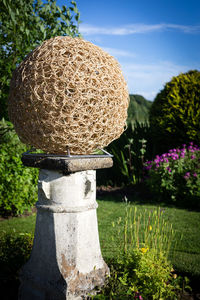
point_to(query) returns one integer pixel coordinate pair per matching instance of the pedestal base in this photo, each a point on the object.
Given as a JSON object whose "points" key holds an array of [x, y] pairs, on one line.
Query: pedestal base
{"points": [[66, 261]]}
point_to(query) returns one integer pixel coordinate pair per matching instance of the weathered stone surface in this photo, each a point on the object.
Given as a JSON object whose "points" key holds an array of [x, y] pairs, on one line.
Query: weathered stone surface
{"points": [[66, 164], [66, 261]]}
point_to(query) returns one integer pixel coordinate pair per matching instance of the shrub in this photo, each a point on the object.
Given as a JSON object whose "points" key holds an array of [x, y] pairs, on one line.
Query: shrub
{"points": [[175, 113], [175, 176], [15, 250], [140, 275], [18, 184]]}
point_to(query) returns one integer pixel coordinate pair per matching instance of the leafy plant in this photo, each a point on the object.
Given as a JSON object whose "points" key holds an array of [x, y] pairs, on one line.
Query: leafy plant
{"points": [[23, 26], [18, 184], [130, 150], [175, 112], [175, 176]]}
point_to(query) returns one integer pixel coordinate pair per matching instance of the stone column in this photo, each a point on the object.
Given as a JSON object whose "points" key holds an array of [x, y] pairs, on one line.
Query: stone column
{"points": [[66, 260]]}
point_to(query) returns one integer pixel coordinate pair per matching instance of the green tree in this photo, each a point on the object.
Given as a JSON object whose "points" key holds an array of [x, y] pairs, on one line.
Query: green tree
{"points": [[24, 24], [175, 112], [138, 109]]}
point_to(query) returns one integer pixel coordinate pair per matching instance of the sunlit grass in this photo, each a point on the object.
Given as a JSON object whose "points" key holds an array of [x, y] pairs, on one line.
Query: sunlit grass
{"points": [[186, 257]]}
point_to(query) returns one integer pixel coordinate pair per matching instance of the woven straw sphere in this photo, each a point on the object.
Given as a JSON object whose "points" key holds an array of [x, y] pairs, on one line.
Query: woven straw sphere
{"points": [[68, 94]]}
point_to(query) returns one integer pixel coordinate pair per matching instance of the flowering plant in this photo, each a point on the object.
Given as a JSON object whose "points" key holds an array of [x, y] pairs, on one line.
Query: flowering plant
{"points": [[176, 175]]}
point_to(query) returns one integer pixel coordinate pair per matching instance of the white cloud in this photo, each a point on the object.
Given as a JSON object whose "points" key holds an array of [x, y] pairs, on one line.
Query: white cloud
{"points": [[149, 79], [184, 28], [130, 29]]}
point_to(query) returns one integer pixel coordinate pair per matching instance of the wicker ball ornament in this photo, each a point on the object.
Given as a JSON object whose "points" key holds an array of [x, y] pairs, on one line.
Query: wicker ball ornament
{"points": [[68, 94]]}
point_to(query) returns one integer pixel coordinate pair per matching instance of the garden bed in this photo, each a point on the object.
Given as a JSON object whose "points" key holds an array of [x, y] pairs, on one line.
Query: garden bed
{"points": [[112, 204]]}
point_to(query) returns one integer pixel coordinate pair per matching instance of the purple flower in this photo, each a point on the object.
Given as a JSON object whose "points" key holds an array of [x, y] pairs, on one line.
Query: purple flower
{"points": [[187, 175], [138, 296], [174, 157], [147, 167], [168, 168], [166, 160], [195, 174], [193, 156], [190, 148]]}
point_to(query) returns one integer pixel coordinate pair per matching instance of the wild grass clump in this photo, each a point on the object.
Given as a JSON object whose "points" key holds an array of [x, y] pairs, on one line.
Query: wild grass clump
{"points": [[147, 230], [142, 269]]}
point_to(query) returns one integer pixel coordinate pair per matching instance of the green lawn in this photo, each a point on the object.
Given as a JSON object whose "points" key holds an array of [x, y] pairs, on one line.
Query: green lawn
{"points": [[187, 255]]}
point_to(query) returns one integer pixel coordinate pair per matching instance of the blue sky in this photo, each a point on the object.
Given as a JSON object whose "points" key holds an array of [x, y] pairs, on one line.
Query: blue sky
{"points": [[153, 40]]}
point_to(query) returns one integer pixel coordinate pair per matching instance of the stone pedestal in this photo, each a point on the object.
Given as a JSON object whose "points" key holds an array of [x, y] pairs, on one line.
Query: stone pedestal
{"points": [[66, 261]]}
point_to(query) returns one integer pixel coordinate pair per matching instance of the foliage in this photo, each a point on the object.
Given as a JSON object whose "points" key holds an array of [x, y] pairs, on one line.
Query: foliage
{"points": [[18, 184], [142, 270], [175, 176], [138, 109], [14, 251], [175, 112], [130, 151], [140, 276], [23, 26]]}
